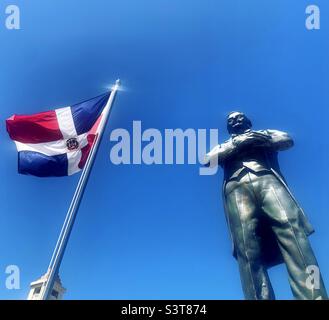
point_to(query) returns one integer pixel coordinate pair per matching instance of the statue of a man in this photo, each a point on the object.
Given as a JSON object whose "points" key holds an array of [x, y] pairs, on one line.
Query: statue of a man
{"points": [[266, 224]]}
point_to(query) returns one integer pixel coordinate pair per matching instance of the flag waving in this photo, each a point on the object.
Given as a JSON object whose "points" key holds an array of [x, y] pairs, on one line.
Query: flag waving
{"points": [[57, 142]]}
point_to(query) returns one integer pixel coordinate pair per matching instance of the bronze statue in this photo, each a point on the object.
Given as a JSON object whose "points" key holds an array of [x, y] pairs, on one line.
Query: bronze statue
{"points": [[266, 224]]}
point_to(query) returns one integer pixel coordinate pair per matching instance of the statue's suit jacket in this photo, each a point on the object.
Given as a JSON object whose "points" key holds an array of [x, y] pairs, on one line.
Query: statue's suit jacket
{"points": [[271, 254]]}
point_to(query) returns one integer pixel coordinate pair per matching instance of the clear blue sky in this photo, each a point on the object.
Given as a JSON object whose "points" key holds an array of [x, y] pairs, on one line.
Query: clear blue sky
{"points": [[155, 232]]}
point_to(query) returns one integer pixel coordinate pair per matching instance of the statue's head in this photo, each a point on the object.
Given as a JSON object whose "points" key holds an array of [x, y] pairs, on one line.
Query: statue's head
{"points": [[237, 122]]}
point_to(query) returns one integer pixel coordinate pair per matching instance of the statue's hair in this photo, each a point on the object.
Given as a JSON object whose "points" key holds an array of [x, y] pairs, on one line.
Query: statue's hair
{"points": [[248, 122], [233, 112]]}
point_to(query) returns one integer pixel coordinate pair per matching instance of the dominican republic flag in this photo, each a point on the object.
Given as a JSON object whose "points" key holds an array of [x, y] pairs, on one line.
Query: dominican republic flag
{"points": [[56, 143]]}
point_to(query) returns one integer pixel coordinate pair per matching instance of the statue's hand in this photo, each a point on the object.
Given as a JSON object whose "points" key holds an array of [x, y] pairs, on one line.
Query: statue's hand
{"points": [[252, 138]]}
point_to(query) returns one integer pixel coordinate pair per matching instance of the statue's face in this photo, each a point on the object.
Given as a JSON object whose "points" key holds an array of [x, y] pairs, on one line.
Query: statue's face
{"points": [[237, 123]]}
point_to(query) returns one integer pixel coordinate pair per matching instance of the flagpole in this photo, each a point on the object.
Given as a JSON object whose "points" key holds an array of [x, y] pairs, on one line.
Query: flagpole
{"points": [[63, 238]]}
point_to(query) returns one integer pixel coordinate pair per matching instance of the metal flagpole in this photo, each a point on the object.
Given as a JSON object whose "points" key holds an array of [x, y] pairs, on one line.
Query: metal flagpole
{"points": [[63, 238]]}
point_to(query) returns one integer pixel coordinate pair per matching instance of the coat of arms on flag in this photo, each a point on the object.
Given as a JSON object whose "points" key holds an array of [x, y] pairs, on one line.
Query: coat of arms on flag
{"points": [[56, 142]]}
